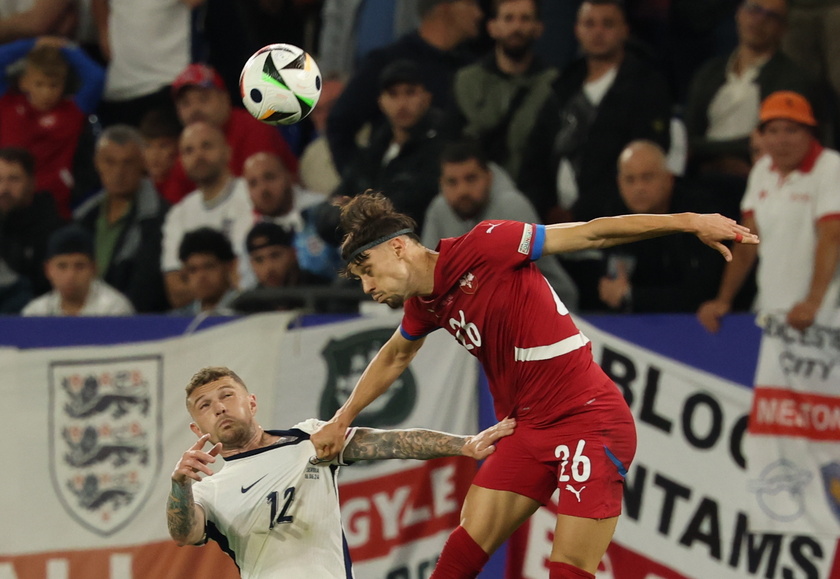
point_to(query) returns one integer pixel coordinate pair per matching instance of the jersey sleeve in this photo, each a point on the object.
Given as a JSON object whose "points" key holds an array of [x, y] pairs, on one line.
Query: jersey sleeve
{"points": [[312, 425], [748, 201], [828, 201], [505, 243], [203, 493]]}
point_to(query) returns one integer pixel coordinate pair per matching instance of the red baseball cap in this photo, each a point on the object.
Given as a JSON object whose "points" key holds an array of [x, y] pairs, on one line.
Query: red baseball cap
{"points": [[199, 75]]}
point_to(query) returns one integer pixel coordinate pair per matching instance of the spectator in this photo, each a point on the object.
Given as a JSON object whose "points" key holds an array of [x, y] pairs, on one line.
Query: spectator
{"points": [[402, 157], [652, 275], [274, 260], [277, 200], [272, 254], [210, 267], [604, 100], [71, 270], [317, 169], [146, 48], [792, 204], [36, 18], [126, 219], [352, 28], [27, 218], [811, 39], [38, 114], [474, 190], [160, 130], [498, 99], [726, 92], [220, 201], [444, 26], [200, 95]]}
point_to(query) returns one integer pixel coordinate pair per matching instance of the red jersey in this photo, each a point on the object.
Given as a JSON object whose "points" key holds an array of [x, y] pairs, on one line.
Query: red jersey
{"points": [[50, 136], [245, 135], [491, 297]]}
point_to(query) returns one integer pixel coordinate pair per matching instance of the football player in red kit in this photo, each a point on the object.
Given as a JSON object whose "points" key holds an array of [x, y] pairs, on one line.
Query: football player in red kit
{"points": [[575, 431]]}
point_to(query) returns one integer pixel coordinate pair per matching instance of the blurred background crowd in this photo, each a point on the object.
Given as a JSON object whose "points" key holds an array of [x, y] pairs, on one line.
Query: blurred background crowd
{"points": [[132, 181]]}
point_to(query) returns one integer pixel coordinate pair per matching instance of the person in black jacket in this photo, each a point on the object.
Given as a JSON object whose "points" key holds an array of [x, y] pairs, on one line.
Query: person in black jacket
{"points": [[126, 218], [657, 275], [402, 159], [27, 218], [725, 93], [603, 101], [436, 46]]}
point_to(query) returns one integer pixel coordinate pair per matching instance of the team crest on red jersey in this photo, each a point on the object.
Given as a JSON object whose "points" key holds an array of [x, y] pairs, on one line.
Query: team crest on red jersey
{"points": [[467, 283]]}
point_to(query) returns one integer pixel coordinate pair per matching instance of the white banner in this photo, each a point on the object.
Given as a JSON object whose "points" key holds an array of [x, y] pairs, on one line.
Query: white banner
{"points": [[91, 435], [794, 441], [685, 508]]}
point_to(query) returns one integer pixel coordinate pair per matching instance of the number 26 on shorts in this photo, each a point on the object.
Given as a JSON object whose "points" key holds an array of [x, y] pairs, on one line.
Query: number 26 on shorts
{"points": [[581, 466]]}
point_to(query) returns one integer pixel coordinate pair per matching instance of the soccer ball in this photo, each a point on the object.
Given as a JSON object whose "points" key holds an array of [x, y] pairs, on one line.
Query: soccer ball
{"points": [[280, 84]]}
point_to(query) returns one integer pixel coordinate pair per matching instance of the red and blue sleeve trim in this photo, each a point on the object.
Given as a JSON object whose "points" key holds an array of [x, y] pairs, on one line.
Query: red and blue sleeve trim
{"points": [[539, 242]]}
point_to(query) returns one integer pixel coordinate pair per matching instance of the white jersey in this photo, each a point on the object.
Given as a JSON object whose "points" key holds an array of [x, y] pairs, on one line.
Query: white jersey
{"points": [[786, 212], [231, 213], [276, 514]]}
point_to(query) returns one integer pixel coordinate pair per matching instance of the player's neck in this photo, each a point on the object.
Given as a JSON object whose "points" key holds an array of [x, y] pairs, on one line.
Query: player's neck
{"points": [[426, 272], [259, 439]]}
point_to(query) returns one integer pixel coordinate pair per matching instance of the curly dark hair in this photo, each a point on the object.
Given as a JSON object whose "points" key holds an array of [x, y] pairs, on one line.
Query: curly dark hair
{"points": [[365, 218]]}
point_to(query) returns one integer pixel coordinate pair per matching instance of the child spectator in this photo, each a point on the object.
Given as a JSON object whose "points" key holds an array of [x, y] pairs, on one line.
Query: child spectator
{"points": [[160, 129], [39, 114], [71, 270]]}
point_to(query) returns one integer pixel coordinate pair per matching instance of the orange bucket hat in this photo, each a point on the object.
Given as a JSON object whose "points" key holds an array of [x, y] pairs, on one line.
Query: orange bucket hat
{"points": [[788, 105]]}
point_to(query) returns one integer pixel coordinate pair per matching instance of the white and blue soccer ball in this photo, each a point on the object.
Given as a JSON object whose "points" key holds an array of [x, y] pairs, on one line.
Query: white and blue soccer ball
{"points": [[280, 84]]}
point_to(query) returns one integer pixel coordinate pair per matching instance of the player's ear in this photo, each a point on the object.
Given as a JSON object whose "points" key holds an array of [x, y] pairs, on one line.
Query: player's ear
{"points": [[252, 403], [196, 430]]}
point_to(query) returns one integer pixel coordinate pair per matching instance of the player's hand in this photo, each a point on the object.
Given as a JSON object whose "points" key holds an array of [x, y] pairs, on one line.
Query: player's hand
{"points": [[482, 444], [802, 315], [328, 441], [195, 461], [709, 314], [715, 229]]}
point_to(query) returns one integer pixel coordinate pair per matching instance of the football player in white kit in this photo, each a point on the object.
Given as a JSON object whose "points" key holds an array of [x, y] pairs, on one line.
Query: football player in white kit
{"points": [[270, 507]]}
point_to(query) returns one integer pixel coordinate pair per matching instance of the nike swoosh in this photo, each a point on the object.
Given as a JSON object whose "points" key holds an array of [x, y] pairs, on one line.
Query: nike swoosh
{"points": [[246, 489]]}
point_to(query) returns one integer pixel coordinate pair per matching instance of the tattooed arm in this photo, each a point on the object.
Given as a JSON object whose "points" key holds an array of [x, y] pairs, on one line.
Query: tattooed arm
{"points": [[184, 518], [372, 444]]}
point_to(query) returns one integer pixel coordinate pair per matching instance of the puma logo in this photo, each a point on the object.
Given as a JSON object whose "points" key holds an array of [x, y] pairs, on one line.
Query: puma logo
{"points": [[575, 492], [491, 227]]}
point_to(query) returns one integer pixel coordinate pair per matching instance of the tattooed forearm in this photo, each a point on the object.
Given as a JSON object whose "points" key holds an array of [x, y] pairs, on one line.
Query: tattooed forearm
{"points": [[180, 512], [370, 444]]}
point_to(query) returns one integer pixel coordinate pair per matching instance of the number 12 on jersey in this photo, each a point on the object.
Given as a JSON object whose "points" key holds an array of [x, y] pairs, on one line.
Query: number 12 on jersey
{"points": [[273, 498]]}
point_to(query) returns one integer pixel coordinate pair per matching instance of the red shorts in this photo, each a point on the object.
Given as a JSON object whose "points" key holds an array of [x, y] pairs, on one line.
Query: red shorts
{"points": [[585, 455]]}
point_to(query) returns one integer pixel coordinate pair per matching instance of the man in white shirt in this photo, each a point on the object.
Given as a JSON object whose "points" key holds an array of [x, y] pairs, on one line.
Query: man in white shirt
{"points": [[221, 201], [71, 271], [792, 203], [276, 511]]}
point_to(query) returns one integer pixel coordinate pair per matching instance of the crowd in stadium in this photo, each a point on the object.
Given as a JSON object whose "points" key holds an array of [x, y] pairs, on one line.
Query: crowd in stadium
{"points": [[133, 181]]}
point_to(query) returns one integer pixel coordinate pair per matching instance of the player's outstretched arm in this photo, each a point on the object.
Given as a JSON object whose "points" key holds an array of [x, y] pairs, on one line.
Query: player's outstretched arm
{"points": [[391, 360], [420, 444], [711, 229], [184, 518]]}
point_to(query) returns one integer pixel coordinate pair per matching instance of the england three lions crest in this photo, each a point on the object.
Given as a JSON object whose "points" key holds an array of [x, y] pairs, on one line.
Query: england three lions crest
{"points": [[105, 437]]}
